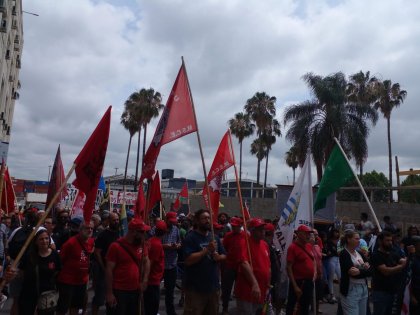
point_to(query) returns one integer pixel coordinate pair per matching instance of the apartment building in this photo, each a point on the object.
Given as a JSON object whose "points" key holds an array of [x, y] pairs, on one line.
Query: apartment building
{"points": [[11, 44]]}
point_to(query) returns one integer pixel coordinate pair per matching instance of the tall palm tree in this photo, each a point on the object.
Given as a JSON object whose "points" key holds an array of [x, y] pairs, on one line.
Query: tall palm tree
{"points": [[129, 123], [261, 108], [314, 123], [292, 160], [258, 148], [269, 137], [241, 127], [390, 96], [361, 91]]}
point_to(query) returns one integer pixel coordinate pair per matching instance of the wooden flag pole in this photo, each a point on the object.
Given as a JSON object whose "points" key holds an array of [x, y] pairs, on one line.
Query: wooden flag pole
{"points": [[360, 185], [14, 194], [7, 201], [238, 187], [40, 222], [201, 153]]}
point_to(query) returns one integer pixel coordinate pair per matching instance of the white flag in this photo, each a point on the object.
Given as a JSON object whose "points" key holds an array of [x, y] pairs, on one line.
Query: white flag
{"points": [[298, 211]]}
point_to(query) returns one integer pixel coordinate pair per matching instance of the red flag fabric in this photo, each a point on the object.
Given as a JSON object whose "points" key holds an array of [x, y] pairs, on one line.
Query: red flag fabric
{"points": [[182, 197], [90, 162], [222, 161], [140, 203], [56, 179], [155, 195], [177, 120], [8, 201]]}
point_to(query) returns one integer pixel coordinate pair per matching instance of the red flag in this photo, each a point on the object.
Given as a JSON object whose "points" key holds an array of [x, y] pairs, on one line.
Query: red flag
{"points": [[56, 180], [78, 204], [155, 195], [222, 161], [140, 203], [8, 196], [90, 162], [177, 120], [182, 197]]}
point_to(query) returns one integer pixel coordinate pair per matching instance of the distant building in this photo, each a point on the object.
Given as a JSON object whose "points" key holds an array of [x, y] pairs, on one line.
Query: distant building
{"points": [[11, 43]]}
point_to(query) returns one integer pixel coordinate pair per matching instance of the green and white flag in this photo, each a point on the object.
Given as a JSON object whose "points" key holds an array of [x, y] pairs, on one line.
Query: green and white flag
{"points": [[337, 173]]}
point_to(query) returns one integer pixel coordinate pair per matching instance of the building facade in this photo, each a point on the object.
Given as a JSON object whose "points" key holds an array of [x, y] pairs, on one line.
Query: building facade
{"points": [[11, 43]]}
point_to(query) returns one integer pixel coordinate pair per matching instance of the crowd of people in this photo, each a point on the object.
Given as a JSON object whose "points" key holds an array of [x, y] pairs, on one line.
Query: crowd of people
{"points": [[353, 266]]}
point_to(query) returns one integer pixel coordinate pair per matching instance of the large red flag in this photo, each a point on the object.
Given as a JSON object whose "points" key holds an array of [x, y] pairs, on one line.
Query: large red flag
{"points": [[222, 161], [56, 180], [90, 162], [140, 203], [177, 120], [182, 197], [8, 196], [155, 195]]}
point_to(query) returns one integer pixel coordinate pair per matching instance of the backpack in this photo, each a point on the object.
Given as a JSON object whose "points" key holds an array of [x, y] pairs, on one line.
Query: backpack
{"points": [[18, 240]]}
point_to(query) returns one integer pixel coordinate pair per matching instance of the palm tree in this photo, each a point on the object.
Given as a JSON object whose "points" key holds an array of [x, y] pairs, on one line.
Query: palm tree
{"points": [[314, 123], [292, 160], [261, 109], [390, 96], [241, 127], [361, 91], [269, 137], [258, 148], [129, 123]]}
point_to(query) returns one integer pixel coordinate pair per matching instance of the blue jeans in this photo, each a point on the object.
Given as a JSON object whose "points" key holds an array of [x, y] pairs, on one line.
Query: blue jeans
{"points": [[355, 303], [333, 269], [382, 302]]}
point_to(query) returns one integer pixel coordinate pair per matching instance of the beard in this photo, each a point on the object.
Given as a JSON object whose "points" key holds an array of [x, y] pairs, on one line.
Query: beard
{"points": [[387, 247], [114, 227], [205, 227]]}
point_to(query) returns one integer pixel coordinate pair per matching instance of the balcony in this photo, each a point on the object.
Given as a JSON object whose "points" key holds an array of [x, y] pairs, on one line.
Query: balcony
{"points": [[17, 47], [11, 78], [8, 131], [14, 24], [3, 4], [7, 54], [18, 64], [14, 11], [3, 26]]}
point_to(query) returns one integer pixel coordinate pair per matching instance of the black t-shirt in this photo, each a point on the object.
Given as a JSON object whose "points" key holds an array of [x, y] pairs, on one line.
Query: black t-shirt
{"points": [[202, 276], [48, 268], [104, 240], [380, 282]]}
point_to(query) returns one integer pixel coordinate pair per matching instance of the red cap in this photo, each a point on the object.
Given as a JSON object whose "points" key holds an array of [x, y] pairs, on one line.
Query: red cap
{"points": [[235, 221], [304, 228], [161, 225], [171, 217], [269, 227], [255, 223], [138, 225]]}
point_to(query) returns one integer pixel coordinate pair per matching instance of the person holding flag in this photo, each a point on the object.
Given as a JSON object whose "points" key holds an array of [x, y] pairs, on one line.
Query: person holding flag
{"points": [[202, 257], [301, 270], [254, 273]]}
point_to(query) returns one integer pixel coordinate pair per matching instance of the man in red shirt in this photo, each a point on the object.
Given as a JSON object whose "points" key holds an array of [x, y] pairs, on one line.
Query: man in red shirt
{"points": [[157, 266], [301, 272], [253, 280], [231, 264], [74, 275], [127, 270]]}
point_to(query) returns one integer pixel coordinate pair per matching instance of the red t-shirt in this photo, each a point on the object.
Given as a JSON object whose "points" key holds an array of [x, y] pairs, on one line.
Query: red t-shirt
{"points": [[261, 267], [302, 263], [233, 250], [126, 273], [75, 261], [157, 261]]}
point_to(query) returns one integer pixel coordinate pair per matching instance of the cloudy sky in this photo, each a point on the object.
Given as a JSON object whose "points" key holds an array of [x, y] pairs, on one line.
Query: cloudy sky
{"points": [[80, 56]]}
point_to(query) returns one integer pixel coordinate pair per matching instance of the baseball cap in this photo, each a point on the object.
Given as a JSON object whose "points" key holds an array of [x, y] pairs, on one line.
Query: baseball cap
{"points": [[235, 221], [76, 220], [171, 217], [255, 223], [269, 227], [138, 225], [161, 225], [304, 228]]}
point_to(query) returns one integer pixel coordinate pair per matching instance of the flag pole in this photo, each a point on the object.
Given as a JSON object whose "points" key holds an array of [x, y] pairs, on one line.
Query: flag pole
{"points": [[40, 222], [2, 171], [238, 186], [7, 201], [14, 194], [360, 185], [201, 152]]}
